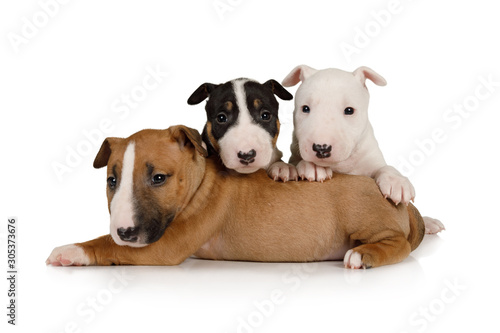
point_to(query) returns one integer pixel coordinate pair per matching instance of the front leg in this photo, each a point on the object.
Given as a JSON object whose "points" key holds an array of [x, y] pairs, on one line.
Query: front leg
{"points": [[394, 185], [180, 240], [103, 251]]}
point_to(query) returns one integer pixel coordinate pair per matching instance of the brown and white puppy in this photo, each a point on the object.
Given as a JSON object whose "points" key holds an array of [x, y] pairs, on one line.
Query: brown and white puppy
{"points": [[243, 125], [168, 202]]}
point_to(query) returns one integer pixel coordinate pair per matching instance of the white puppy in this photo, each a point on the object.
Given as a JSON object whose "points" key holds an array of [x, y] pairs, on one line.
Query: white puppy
{"points": [[332, 131]]}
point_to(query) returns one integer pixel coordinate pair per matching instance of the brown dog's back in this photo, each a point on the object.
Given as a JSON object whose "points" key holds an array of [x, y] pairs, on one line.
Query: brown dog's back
{"points": [[306, 221]]}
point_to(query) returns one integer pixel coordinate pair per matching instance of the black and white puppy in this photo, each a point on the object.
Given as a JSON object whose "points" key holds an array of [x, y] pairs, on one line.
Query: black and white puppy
{"points": [[243, 126]]}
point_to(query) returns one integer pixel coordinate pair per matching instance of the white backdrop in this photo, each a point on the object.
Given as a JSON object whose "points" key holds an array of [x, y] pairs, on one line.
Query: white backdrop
{"points": [[74, 72]]}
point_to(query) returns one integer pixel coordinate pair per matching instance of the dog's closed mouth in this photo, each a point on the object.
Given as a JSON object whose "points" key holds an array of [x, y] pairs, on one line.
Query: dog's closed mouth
{"points": [[245, 162]]}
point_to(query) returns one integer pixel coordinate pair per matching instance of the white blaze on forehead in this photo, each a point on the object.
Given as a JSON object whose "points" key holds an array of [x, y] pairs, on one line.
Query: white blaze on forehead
{"points": [[121, 207], [244, 118], [244, 136]]}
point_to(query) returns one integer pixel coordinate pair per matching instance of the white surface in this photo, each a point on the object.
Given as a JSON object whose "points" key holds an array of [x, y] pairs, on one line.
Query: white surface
{"points": [[72, 75]]}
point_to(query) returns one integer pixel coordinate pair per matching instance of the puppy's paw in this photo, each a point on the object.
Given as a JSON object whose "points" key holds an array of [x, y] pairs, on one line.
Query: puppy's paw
{"points": [[68, 255], [282, 171], [433, 226], [396, 187], [313, 172], [353, 260]]}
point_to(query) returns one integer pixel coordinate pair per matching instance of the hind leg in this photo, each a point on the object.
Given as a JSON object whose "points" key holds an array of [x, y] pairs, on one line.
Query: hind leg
{"points": [[432, 226], [387, 251]]}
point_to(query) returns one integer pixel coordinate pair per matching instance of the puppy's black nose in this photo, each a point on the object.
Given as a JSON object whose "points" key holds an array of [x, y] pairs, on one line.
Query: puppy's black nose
{"points": [[128, 234], [322, 151], [247, 158]]}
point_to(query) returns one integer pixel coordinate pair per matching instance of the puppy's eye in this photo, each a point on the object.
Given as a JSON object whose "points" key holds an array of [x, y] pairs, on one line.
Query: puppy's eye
{"points": [[306, 109], [158, 179], [111, 183], [348, 111], [221, 118], [265, 115]]}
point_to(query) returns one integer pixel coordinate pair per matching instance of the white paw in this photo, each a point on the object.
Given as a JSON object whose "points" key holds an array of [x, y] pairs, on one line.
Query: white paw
{"points": [[282, 171], [68, 255], [433, 226], [312, 172], [353, 260], [396, 187]]}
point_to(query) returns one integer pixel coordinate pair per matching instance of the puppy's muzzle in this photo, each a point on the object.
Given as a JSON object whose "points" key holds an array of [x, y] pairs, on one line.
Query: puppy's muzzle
{"points": [[128, 234], [247, 158], [322, 151]]}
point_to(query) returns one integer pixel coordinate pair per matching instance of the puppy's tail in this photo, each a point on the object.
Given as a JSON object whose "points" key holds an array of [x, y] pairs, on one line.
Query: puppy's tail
{"points": [[417, 227]]}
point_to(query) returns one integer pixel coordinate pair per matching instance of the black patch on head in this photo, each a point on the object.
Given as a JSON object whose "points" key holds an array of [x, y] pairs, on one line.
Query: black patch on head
{"points": [[263, 106], [222, 110]]}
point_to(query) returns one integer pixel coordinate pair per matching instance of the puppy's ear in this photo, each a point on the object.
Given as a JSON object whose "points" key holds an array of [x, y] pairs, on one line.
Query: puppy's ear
{"points": [[188, 137], [278, 90], [363, 73], [299, 73], [101, 160], [201, 93]]}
